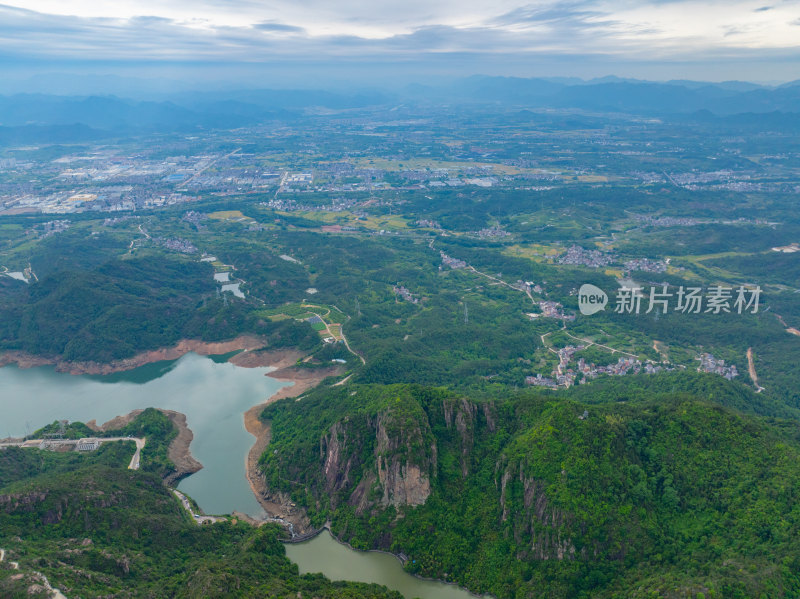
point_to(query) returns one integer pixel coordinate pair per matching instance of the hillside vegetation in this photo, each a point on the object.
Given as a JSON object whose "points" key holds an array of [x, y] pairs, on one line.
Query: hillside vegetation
{"points": [[96, 529], [522, 495]]}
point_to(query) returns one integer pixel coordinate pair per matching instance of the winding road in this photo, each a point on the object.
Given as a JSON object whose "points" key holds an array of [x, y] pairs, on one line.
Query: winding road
{"points": [[341, 328], [590, 343], [134, 465], [38, 443], [199, 518]]}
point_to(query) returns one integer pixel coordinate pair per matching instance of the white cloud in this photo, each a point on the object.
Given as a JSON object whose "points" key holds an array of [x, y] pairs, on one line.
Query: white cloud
{"points": [[247, 29]]}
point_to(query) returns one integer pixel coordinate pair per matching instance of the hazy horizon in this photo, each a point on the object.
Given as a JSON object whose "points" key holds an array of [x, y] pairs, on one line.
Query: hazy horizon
{"points": [[251, 44], [143, 85]]}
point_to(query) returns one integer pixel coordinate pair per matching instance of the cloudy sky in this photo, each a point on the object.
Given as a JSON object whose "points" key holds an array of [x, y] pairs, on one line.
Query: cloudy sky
{"points": [[655, 39]]}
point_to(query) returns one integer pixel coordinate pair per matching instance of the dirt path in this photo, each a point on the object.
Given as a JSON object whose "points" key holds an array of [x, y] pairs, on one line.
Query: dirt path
{"points": [[590, 342], [135, 459], [659, 348], [351, 350], [751, 367], [341, 330], [790, 330], [501, 282], [343, 381], [528, 293]]}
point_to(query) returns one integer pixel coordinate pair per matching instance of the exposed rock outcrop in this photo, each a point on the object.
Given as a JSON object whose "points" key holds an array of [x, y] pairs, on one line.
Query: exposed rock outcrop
{"points": [[536, 518], [388, 459], [465, 416], [403, 481]]}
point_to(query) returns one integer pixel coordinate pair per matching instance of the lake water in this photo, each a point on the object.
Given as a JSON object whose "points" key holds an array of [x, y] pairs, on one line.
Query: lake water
{"points": [[214, 396], [338, 562], [18, 276], [233, 288]]}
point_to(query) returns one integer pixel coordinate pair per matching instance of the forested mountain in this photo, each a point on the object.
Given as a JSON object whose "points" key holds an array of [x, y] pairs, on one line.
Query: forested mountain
{"points": [[521, 495], [419, 254], [96, 529]]}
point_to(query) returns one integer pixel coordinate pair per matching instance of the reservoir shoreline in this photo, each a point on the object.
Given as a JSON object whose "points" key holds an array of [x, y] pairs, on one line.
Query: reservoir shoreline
{"points": [[283, 367], [278, 505], [179, 451], [252, 354], [191, 386], [245, 343]]}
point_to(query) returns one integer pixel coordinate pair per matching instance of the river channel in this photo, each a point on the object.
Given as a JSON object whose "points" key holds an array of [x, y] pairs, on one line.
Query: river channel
{"points": [[325, 554]]}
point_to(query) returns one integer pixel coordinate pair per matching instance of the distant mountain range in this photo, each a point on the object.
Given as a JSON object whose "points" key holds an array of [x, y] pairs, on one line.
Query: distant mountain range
{"points": [[182, 112], [627, 95], [113, 114], [36, 117]]}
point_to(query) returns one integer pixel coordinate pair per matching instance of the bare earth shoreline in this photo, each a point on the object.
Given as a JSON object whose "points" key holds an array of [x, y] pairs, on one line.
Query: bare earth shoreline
{"points": [[204, 348], [251, 356], [278, 505], [178, 451]]}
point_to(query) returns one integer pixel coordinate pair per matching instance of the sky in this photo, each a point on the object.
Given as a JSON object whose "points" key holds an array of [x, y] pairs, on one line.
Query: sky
{"points": [[287, 42]]}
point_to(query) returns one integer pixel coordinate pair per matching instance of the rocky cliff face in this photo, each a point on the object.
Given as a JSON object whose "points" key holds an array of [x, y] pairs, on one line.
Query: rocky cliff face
{"points": [[535, 523], [392, 459], [335, 449], [466, 418], [461, 415], [398, 454], [388, 459], [404, 481], [21, 502]]}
